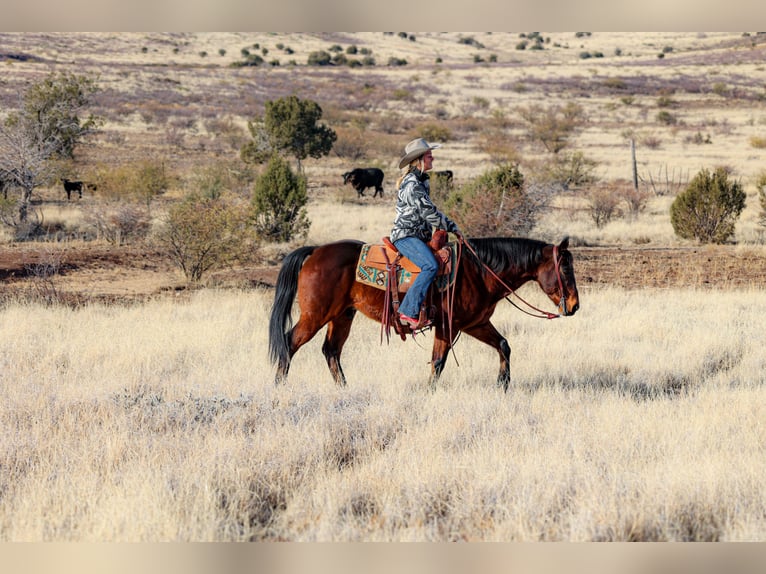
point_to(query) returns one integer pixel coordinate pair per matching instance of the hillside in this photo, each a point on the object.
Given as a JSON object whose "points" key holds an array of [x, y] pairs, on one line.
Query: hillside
{"points": [[181, 97]]}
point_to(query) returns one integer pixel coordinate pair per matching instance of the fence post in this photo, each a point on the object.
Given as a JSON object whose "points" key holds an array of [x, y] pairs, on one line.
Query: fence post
{"points": [[633, 158]]}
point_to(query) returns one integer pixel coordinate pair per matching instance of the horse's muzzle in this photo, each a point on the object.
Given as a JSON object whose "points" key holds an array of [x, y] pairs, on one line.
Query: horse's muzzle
{"points": [[567, 308]]}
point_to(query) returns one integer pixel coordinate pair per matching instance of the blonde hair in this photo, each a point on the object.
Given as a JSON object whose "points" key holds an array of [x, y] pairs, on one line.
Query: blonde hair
{"points": [[413, 164]]}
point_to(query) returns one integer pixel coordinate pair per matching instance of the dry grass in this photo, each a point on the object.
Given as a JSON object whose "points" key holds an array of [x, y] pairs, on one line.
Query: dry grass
{"points": [[161, 422], [638, 419]]}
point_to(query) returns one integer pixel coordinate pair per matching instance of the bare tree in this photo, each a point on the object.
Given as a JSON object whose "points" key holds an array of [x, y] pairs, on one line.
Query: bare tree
{"points": [[24, 159], [46, 126]]}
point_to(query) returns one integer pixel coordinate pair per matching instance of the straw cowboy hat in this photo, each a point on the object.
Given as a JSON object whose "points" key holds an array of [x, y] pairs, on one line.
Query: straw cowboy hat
{"points": [[415, 149]]}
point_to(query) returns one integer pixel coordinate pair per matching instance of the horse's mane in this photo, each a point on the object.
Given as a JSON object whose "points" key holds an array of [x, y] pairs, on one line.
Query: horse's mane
{"points": [[500, 253]]}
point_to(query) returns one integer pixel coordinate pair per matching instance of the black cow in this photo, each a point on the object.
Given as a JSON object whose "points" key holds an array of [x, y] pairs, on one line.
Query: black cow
{"points": [[362, 178], [70, 186], [445, 175]]}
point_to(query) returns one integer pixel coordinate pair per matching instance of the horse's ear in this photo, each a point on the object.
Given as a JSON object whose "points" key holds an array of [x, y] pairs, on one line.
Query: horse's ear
{"points": [[564, 243]]}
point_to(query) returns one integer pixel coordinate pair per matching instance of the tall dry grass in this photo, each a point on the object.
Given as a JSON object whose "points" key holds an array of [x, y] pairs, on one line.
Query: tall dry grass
{"points": [[640, 418]]}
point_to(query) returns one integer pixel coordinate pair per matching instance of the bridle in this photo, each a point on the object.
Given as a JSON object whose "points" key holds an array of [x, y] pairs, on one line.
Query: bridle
{"points": [[543, 314]]}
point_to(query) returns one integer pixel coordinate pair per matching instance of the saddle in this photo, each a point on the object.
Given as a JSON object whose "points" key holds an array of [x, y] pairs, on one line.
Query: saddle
{"points": [[382, 266], [379, 260]]}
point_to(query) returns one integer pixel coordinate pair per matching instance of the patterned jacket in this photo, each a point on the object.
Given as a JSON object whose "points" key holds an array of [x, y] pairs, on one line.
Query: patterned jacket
{"points": [[416, 215]]}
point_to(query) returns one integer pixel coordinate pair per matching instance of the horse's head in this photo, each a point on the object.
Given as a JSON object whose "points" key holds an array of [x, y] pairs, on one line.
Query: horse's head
{"points": [[556, 277]]}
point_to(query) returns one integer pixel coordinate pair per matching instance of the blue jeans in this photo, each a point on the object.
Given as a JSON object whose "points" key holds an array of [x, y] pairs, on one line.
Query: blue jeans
{"points": [[421, 255]]}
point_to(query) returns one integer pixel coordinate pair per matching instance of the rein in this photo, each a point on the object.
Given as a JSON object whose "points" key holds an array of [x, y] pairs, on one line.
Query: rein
{"points": [[543, 314]]}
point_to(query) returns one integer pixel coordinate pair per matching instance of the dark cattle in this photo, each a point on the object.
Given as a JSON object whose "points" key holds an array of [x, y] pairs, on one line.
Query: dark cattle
{"points": [[70, 186], [362, 178], [445, 175]]}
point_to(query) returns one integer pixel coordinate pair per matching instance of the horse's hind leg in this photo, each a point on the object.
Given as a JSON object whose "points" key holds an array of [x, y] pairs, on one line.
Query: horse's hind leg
{"points": [[299, 335], [337, 333]]}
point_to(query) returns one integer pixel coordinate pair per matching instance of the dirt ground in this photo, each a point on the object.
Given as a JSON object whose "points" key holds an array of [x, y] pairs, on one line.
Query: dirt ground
{"points": [[99, 272]]}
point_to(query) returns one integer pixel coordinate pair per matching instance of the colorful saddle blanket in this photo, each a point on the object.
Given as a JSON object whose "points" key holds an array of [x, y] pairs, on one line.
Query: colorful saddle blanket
{"points": [[374, 260]]}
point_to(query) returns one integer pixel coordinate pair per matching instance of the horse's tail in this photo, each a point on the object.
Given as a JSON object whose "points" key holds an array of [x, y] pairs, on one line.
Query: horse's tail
{"points": [[281, 322]]}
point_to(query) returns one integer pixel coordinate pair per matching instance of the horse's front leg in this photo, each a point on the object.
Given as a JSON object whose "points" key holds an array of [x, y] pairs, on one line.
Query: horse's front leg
{"points": [[439, 355], [486, 333]]}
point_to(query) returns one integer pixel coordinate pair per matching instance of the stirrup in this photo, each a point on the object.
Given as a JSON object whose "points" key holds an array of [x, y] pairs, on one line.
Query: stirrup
{"points": [[415, 324]]}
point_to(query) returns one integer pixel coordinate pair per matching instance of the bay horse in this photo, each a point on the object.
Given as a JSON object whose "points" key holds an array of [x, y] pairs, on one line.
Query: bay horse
{"points": [[322, 278]]}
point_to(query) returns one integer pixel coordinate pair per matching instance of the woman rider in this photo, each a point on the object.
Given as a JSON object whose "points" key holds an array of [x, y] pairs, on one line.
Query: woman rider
{"points": [[416, 216]]}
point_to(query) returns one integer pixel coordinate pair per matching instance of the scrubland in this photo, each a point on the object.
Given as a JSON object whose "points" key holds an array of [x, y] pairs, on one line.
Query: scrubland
{"points": [[638, 419], [641, 418]]}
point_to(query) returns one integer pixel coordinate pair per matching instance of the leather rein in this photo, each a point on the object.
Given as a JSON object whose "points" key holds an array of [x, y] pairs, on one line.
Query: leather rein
{"points": [[543, 314]]}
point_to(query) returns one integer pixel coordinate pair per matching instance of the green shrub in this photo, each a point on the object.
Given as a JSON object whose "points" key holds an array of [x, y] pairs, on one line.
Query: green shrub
{"points": [[279, 203], [394, 61], [250, 60], [709, 207], [319, 58], [665, 117]]}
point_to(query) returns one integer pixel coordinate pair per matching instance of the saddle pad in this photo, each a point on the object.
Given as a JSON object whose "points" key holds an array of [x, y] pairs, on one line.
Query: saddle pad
{"points": [[371, 268]]}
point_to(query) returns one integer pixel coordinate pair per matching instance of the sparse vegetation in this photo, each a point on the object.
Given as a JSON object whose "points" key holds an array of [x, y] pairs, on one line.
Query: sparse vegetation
{"points": [[118, 355]]}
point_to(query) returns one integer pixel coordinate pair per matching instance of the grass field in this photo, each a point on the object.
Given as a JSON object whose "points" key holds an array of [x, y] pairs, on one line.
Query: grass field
{"points": [[638, 419], [641, 418]]}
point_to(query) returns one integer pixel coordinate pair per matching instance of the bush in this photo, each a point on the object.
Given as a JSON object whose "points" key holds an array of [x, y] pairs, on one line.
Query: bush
{"points": [[709, 207], [635, 199], [495, 203], [568, 170], [603, 205], [278, 204], [119, 223], [250, 60], [137, 181], [202, 233], [665, 117], [553, 126], [214, 180], [434, 132], [351, 144], [320, 58]]}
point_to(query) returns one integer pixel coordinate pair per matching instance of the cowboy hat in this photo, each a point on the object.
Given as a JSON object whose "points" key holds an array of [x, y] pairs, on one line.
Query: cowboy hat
{"points": [[415, 149]]}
